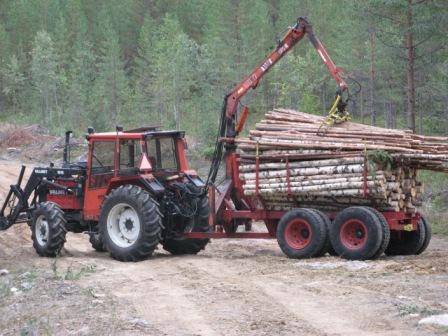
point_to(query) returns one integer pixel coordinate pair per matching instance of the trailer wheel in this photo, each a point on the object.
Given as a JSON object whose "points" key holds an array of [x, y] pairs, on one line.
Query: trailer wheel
{"points": [[327, 246], [178, 245], [386, 232], [407, 243], [96, 241], [130, 223], [48, 229], [301, 233], [428, 235], [356, 233]]}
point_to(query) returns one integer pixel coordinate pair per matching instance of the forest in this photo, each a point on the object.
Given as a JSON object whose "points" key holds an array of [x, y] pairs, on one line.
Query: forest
{"points": [[69, 64]]}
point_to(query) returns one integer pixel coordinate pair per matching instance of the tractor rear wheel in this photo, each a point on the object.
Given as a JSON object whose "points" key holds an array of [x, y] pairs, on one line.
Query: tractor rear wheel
{"points": [[413, 242], [177, 244], [48, 229], [130, 223], [301, 233], [356, 233]]}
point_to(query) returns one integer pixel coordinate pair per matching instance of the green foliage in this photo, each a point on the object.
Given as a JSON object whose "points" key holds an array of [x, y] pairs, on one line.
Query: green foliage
{"points": [[71, 64], [379, 158], [46, 80], [13, 82]]}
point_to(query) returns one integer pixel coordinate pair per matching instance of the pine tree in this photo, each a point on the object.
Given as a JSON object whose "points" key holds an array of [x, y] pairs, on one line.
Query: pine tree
{"points": [[13, 83], [4, 51], [174, 72], [45, 80], [111, 87], [144, 73]]}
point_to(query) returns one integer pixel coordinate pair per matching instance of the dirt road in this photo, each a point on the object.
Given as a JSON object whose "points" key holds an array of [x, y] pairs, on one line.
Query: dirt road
{"points": [[234, 287]]}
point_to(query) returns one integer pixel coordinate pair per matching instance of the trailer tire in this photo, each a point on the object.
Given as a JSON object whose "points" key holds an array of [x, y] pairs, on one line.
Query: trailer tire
{"points": [[327, 246], [386, 233], [130, 223], [301, 233], [48, 229], [409, 243], [356, 233], [180, 245], [428, 235], [96, 241]]}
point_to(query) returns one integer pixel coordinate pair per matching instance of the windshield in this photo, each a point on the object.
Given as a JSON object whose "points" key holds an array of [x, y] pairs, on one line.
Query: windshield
{"points": [[162, 154]]}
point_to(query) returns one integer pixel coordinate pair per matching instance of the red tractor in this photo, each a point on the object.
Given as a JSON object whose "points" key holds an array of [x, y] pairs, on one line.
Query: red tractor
{"points": [[136, 190]]}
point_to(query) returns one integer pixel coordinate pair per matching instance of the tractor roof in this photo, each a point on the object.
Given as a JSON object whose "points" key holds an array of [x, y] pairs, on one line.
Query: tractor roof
{"points": [[140, 133]]}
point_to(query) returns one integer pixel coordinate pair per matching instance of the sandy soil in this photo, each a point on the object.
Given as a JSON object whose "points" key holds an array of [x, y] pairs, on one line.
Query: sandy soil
{"points": [[233, 287]]}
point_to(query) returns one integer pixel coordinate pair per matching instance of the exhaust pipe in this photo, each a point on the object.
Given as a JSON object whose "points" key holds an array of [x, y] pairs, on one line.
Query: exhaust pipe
{"points": [[66, 154]]}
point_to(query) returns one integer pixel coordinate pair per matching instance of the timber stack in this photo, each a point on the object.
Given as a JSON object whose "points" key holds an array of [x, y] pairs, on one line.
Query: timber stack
{"points": [[295, 159]]}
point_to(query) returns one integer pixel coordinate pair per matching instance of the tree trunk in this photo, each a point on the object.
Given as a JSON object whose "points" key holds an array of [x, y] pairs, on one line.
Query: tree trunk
{"points": [[362, 105], [372, 77], [410, 50]]}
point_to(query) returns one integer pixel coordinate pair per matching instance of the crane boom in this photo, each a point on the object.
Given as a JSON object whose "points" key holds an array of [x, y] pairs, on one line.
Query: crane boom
{"points": [[294, 35], [229, 125]]}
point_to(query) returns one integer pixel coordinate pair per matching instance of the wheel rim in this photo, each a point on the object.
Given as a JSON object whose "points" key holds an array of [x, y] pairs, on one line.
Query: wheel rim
{"points": [[123, 225], [353, 234], [298, 234], [42, 230]]}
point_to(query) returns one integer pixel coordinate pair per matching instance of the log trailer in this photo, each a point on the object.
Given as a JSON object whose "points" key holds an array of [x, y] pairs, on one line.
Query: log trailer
{"points": [[136, 190]]}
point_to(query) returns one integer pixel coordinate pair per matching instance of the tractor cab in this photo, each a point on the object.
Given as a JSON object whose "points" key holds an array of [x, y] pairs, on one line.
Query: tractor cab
{"points": [[146, 156]]}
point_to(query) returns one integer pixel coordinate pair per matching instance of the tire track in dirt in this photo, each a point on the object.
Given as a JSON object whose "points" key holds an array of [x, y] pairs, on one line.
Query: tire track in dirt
{"points": [[154, 288], [323, 306]]}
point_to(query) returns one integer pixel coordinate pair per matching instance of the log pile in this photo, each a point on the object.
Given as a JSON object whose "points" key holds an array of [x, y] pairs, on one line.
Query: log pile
{"points": [[293, 158]]}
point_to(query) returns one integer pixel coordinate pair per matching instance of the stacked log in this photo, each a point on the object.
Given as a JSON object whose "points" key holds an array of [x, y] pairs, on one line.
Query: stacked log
{"points": [[293, 159]]}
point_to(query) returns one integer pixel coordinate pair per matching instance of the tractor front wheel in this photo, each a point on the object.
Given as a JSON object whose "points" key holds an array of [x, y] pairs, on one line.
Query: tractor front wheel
{"points": [[130, 223], [48, 229], [302, 233]]}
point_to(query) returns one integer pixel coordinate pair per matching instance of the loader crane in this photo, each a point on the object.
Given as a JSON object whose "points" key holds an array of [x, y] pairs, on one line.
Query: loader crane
{"points": [[136, 190]]}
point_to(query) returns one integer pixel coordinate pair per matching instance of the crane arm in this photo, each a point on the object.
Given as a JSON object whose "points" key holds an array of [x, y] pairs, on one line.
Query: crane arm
{"points": [[229, 127], [294, 35]]}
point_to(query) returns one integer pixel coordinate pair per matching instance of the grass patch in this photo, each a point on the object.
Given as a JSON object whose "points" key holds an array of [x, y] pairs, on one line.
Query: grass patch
{"points": [[435, 197], [71, 273], [4, 290], [408, 309]]}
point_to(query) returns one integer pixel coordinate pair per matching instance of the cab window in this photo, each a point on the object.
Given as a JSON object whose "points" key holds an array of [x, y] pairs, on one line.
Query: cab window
{"points": [[102, 163], [162, 154], [129, 156], [103, 156]]}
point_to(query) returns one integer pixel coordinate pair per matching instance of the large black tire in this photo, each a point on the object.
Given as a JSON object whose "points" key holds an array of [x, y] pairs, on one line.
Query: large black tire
{"points": [[48, 229], [327, 246], [136, 201], [96, 241], [386, 233], [408, 243], [178, 245], [428, 235], [301, 233], [356, 233]]}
